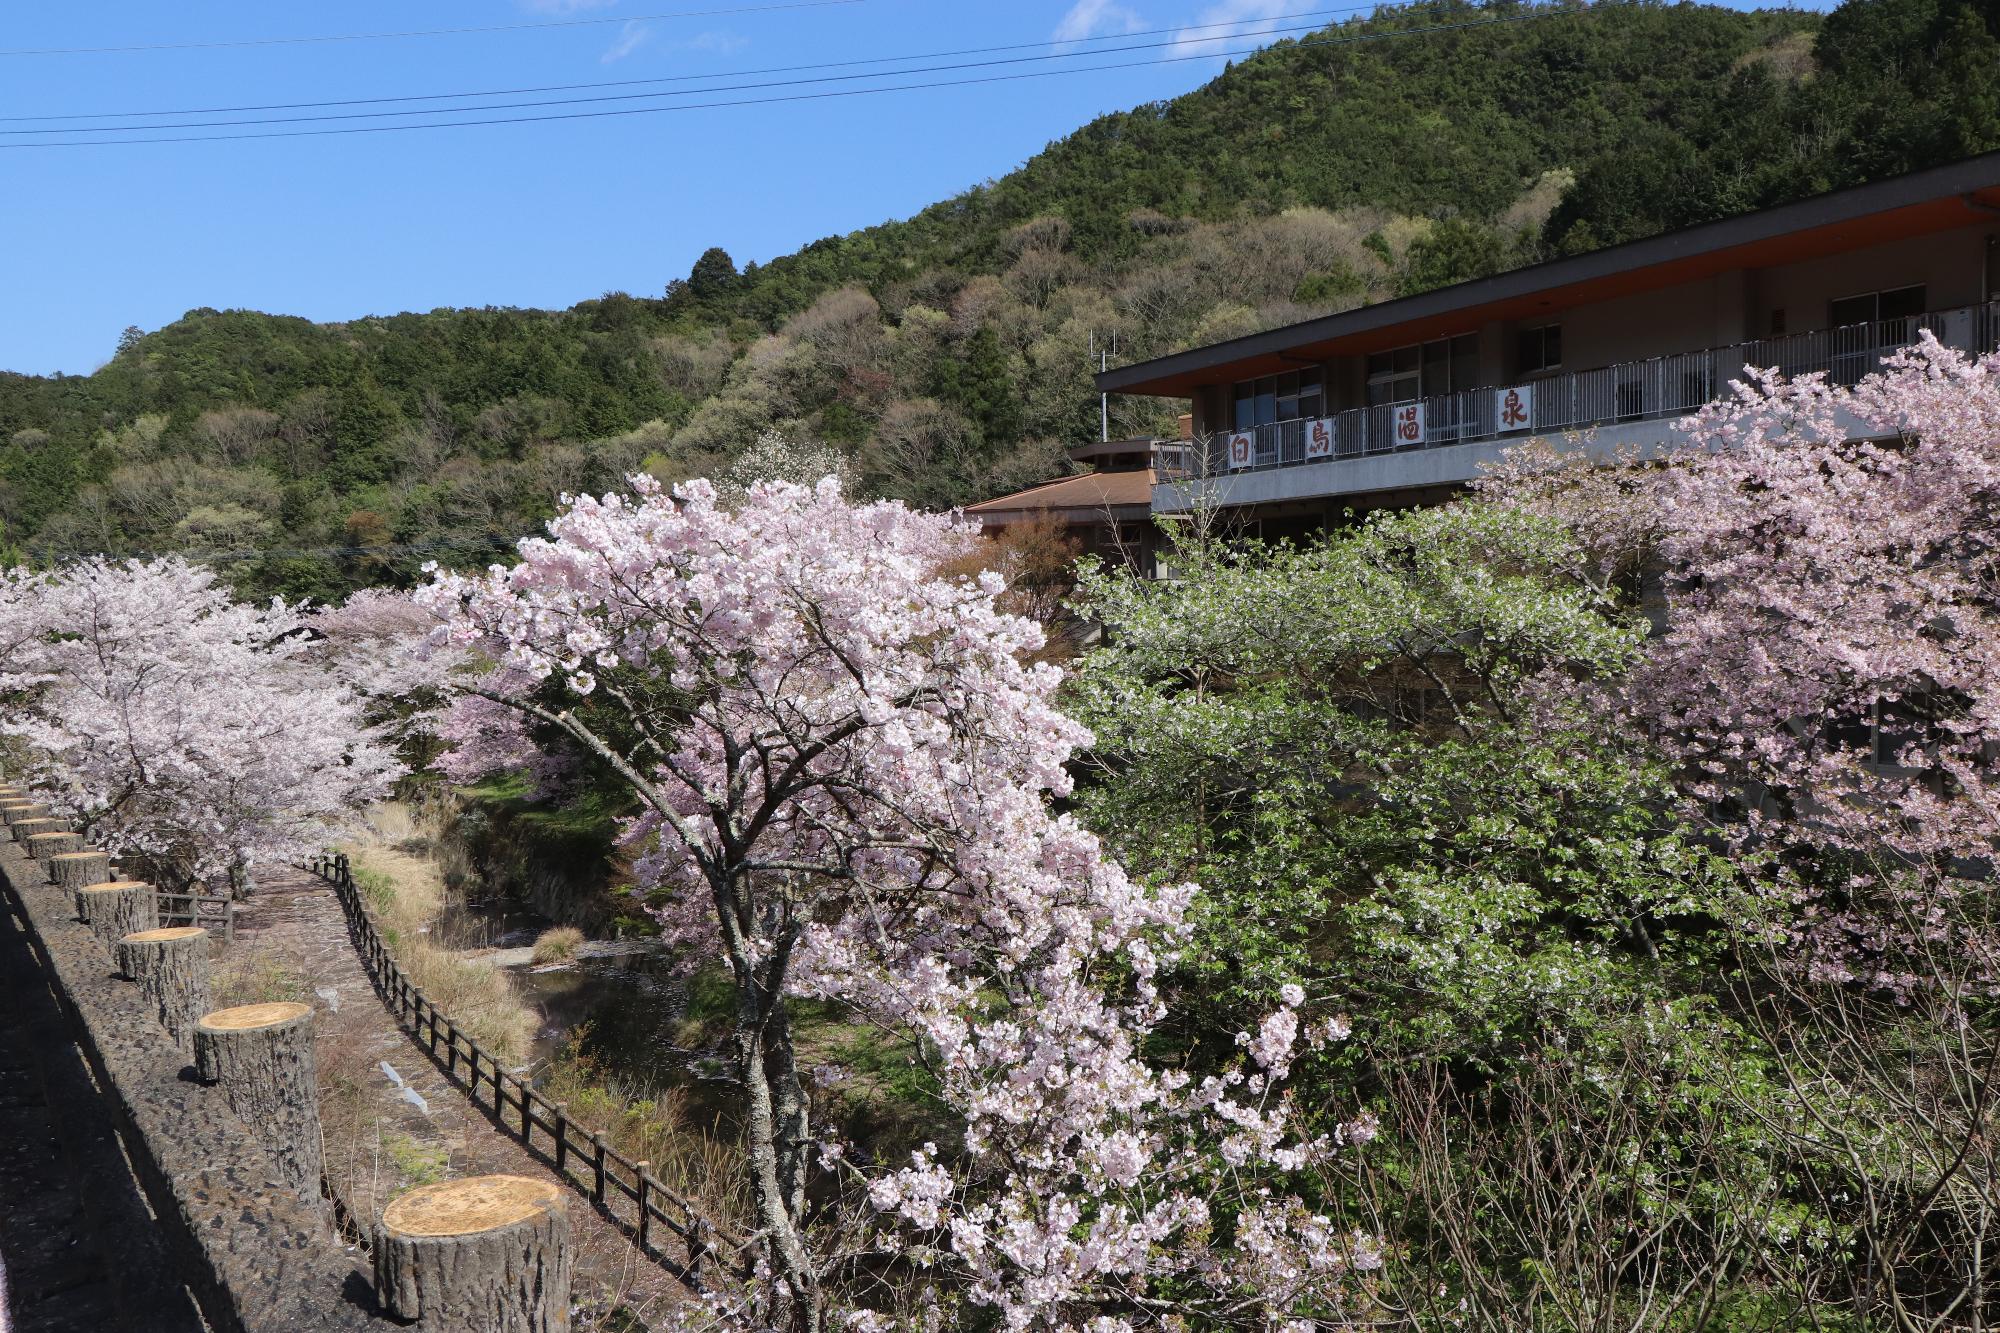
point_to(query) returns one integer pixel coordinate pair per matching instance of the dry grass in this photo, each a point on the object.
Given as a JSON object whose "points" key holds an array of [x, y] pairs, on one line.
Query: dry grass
{"points": [[408, 896], [558, 944], [240, 977], [650, 1125]]}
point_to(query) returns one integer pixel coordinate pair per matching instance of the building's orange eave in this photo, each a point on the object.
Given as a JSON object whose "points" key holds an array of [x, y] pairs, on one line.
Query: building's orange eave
{"points": [[1092, 491]]}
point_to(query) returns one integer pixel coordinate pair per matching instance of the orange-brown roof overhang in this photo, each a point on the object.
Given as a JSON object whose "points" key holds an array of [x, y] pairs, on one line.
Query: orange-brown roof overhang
{"points": [[1092, 493], [1918, 204]]}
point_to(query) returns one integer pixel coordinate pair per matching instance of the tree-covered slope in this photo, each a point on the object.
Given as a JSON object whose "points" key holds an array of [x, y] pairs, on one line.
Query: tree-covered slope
{"points": [[950, 352]]}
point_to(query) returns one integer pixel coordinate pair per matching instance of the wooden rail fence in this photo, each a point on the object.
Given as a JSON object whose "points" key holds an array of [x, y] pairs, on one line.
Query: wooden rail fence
{"points": [[622, 1189], [210, 911]]}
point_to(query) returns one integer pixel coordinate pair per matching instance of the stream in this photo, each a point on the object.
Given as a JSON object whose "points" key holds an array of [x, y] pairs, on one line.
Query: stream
{"points": [[629, 1003]]}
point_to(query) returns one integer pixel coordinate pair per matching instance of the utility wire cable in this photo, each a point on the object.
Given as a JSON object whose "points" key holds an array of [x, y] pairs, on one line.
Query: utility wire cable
{"points": [[1079, 42], [769, 101], [633, 97], [426, 32]]}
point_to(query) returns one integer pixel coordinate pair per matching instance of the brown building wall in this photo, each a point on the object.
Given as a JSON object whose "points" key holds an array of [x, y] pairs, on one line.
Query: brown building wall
{"points": [[1731, 307]]}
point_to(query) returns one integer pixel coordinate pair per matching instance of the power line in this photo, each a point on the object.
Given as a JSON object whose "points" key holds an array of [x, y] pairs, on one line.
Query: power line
{"points": [[630, 97], [768, 101], [1079, 42], [426, 32]]}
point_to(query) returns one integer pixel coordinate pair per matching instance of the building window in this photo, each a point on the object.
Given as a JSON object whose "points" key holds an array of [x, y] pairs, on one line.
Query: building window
{"points": [[1292, 396], [1871, 307], [1424, 370], [1865, 325], [1541, 349]]}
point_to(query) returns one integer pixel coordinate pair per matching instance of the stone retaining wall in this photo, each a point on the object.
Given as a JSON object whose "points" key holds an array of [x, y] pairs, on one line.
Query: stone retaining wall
{"points": [[257, 1259]]}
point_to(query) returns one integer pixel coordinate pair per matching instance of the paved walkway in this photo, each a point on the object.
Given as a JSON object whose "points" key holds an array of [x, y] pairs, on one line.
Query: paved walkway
{"points": [[419, 1117], [81, 1249]]}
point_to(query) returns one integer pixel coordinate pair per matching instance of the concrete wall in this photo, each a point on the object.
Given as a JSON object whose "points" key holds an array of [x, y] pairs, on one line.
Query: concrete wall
{"points": [[1432, 472], [255, 1259]]}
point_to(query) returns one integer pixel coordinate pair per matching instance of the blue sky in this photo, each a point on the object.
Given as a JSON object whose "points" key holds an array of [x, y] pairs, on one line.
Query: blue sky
{"points": [[545, 214]]}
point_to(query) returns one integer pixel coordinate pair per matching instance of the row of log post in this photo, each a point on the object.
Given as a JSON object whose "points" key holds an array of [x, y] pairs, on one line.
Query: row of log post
{"points": [[488, 1254]]}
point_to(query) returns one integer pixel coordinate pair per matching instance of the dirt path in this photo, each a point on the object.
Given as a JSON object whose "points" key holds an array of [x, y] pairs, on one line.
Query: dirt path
{"points": [[388, 1131]]}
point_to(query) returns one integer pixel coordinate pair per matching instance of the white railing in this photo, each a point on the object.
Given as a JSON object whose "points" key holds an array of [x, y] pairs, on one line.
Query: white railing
{"points": [[1661, 388]]}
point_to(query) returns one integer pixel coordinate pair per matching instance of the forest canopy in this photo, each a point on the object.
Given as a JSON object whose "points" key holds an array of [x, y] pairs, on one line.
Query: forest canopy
{"points": [[948, 355]]}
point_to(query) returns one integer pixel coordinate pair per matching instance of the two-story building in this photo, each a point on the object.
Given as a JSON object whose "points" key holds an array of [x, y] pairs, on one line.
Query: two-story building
{"points": [[1401, 403]]}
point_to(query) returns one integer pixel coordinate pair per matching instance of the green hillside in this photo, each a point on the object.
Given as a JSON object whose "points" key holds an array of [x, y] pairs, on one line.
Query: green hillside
{"points": [[949, 352]]}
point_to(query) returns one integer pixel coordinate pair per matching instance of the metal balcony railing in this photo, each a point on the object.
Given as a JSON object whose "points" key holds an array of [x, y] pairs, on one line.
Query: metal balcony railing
{"points": [[1653, 390]]}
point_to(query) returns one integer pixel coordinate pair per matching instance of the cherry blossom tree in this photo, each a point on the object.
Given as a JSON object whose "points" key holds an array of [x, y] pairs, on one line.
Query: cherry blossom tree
{"points": [[178, 724], [1827, 676], [846, 765]]}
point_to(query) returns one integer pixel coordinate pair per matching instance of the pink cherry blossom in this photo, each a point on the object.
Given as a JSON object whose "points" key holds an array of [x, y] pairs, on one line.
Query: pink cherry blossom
{"points": [[177, 724], [847, 765]]}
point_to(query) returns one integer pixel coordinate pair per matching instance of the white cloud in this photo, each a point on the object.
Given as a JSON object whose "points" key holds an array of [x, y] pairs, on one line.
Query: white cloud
{"points": [[1097, 18], [716, 43], [630, 38], [1248, 19]]}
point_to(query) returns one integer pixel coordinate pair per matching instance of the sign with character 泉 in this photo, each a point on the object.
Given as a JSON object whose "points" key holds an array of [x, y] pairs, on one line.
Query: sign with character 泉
{"points": [[1319, 438], [1514, 409]]}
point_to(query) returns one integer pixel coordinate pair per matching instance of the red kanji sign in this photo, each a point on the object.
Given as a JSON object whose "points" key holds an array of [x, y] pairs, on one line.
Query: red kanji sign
{"points": [[1319, 438], [1409, 424], [1514, 409]]}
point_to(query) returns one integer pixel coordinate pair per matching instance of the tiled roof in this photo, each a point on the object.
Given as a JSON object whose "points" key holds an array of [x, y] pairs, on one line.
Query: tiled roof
{"points": [[1092, 490]]}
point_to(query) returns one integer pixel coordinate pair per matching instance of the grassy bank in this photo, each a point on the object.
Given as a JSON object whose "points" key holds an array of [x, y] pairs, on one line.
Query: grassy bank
{"points": [[407, 893], [398, 869]]}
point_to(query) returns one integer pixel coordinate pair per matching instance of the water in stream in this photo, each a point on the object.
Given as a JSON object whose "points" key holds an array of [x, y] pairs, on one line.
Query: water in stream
{"points": [[630, 1002]]}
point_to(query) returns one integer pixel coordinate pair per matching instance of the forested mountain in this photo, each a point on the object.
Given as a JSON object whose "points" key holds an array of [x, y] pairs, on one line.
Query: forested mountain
{"points": [[950, 352]]}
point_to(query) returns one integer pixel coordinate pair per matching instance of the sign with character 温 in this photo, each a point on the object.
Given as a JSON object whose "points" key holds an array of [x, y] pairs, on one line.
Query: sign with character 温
{"points": [[1409, 425]]}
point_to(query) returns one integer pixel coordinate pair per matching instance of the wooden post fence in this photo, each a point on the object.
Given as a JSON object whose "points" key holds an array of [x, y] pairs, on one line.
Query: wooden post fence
{"points": [[580, 1156]]}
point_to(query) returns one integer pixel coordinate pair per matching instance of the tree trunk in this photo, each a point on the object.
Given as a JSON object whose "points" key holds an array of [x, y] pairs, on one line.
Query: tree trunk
{"points": [[774, 1114], [41, 846], [117, 909], [71, 871], [262, 1055], [484, 1255], [13, 812], [24, 829], [171, 967]]}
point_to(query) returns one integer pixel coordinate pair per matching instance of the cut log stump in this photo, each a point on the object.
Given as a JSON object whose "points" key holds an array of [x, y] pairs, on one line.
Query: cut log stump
{"points": [[489, 1254], [13, 812], [41, 846], [71, 871], [262, 1056], [171, 967], [118, 908], [24, 829]]}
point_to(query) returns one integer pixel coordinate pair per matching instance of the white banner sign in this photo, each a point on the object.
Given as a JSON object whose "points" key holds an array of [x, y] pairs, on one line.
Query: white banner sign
{"points": [[1514, 409], [1319, 438], [1409, 425], [1242, 449]]}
